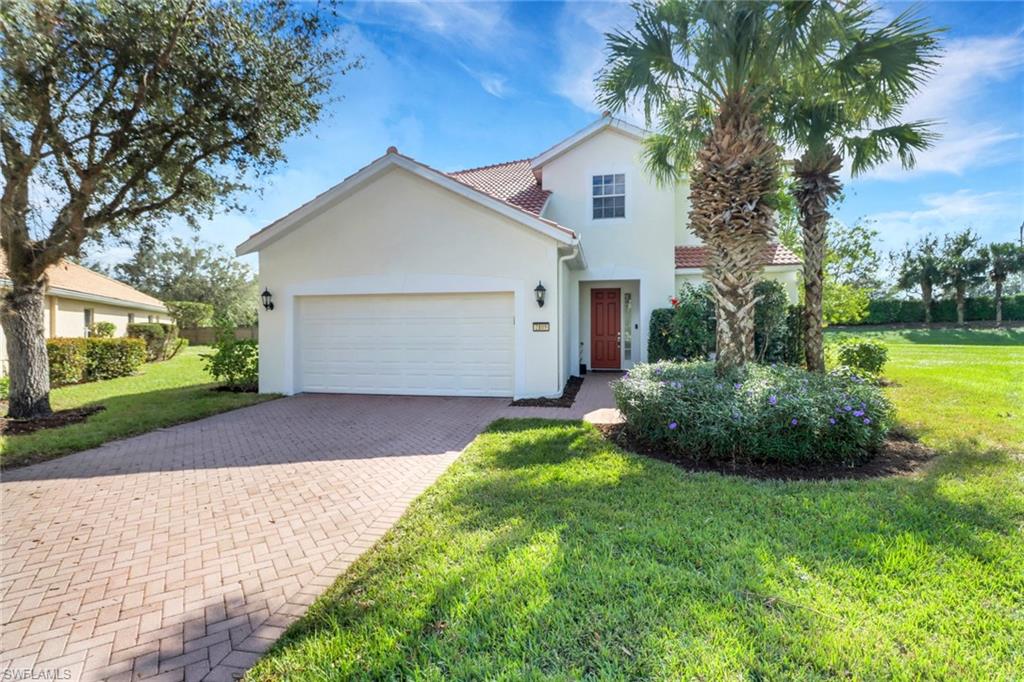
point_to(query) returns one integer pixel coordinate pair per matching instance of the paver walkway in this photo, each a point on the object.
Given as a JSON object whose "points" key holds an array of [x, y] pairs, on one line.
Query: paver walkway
{"points": [[182, 554]]}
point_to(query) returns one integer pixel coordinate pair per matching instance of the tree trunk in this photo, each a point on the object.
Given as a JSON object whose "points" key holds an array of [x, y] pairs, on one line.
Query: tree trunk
{"points": [[816, 186], [926, 299], [29, 366], [960, 294], [736, 171], [999, 302]]}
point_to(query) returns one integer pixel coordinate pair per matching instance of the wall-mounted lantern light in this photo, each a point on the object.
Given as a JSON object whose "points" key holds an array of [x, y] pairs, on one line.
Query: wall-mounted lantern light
{"points": [[268, 303], [539, 291]]}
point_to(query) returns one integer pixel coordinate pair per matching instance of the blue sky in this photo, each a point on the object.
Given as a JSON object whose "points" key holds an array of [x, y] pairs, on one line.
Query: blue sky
{"points": [[457, 85]]}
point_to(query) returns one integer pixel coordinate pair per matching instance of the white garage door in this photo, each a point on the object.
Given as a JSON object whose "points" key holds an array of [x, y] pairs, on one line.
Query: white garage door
{"points": [[413, 344]]}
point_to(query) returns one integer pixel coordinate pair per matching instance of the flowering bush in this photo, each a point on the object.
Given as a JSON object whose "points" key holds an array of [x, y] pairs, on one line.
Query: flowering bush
{"points": [[760, 413]]}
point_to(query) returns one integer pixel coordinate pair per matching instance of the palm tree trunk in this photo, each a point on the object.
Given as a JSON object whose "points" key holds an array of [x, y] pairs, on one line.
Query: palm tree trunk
{"points": [[960, 294], [735, 173], [22, 319], [999, 302], [817, 184], [926, 299]]}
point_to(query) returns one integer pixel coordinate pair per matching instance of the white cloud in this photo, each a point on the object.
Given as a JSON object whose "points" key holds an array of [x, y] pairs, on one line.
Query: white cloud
{"points": [[961, 96], [991, 214], [493, 83], [580, 32], [477, 23]]}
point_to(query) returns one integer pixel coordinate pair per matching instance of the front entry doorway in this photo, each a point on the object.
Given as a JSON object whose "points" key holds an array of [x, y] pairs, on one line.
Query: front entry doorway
{"points": [[606, 328]]}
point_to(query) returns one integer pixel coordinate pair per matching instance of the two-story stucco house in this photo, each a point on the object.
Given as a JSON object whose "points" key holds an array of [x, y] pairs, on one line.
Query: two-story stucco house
{"points": [[494, 281]]}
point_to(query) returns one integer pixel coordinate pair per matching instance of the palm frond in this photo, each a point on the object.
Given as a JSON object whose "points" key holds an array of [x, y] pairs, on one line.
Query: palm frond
{"points": [[901, 140]]}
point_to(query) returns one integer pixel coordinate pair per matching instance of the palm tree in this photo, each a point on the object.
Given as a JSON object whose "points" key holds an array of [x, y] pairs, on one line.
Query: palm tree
{"points": [[920, 265], [849, 106], [965, 266], [1005, 258], [709, 70]]}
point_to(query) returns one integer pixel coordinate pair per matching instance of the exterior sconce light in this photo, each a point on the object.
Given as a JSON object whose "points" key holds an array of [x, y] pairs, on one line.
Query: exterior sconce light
{"points": [[268, 304], [539, 291]]}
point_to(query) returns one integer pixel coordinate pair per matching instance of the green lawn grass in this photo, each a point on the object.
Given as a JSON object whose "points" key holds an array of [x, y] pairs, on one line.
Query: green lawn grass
{"points": [[165, 393], [547, 553]]}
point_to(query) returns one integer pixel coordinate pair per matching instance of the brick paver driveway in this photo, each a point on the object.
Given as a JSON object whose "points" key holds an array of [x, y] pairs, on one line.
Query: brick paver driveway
{"points": [[184, 553]]}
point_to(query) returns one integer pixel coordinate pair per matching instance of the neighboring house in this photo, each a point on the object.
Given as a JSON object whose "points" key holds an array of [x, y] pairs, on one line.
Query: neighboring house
{"points": [[405, 279], [77, 297]]}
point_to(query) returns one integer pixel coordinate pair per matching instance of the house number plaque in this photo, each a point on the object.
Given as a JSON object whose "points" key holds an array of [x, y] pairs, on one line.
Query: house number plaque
{"points": [[541, 326]]}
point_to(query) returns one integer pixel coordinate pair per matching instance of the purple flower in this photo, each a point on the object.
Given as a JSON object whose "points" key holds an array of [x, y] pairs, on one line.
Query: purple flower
{"points": [[772, 400], [866, 420], [848, 407], [737, 386], [658, 370], [863, 406], [672, 426], [793, 422], [832, 421], [858, 413]]}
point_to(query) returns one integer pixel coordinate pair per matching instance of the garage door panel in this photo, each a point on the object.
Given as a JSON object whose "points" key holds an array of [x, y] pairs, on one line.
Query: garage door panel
{"points": [[429, 344]]}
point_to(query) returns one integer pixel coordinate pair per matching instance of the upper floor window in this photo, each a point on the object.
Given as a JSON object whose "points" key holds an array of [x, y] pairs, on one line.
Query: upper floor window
{"points": [[609, 192]]}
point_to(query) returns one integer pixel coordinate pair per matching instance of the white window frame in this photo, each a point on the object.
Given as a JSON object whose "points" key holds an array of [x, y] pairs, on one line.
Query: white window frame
{"points": [[625, 171], [604, 185]]}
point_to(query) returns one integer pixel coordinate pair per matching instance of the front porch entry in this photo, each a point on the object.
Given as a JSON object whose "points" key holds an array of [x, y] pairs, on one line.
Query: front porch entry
{"points": [[609, 324]]}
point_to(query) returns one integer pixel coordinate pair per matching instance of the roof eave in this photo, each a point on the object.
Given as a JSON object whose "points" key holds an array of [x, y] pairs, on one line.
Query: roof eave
{"points": [[349, 185]]}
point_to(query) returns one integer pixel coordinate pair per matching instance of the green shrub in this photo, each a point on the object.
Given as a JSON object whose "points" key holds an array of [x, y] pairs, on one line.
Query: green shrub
{"points": [[980, 308], [190, 314], [103, 330], [686, 331], [5, 387], [161, 339], [758, 412], [67, 360], [235, 364], [865, 355], [111, 358], [770, 321]]}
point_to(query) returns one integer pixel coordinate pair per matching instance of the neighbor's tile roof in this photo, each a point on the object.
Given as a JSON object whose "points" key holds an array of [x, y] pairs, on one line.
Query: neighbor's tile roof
{"points": [[512, 182], [696, 256], [74, 277]]}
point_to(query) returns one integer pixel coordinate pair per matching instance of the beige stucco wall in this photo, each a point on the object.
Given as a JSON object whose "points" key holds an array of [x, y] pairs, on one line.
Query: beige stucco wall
{"points": [[637, 249], [403, 234], [788, 275], [66, 317], [69, 316]]}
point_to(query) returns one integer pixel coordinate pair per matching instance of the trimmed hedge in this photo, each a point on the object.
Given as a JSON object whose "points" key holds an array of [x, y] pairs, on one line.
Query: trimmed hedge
{"points": [[74, 360], [111, 358], [758, 413], [67, 360], [979, 309], [161, 339], [104, 330]]}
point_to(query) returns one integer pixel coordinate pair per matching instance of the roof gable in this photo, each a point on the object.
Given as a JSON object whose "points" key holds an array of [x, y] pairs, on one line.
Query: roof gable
{"points": [[606, 122], [466, 187]]}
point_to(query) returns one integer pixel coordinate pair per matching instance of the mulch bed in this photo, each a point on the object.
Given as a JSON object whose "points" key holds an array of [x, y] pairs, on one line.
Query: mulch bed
{"points": [[233, 389], [19, 427], [900, 456], [568, 397]]}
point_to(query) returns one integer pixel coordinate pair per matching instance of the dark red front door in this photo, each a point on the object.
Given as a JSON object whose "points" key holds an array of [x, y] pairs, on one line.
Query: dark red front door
{"points": [[605, 328]]}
